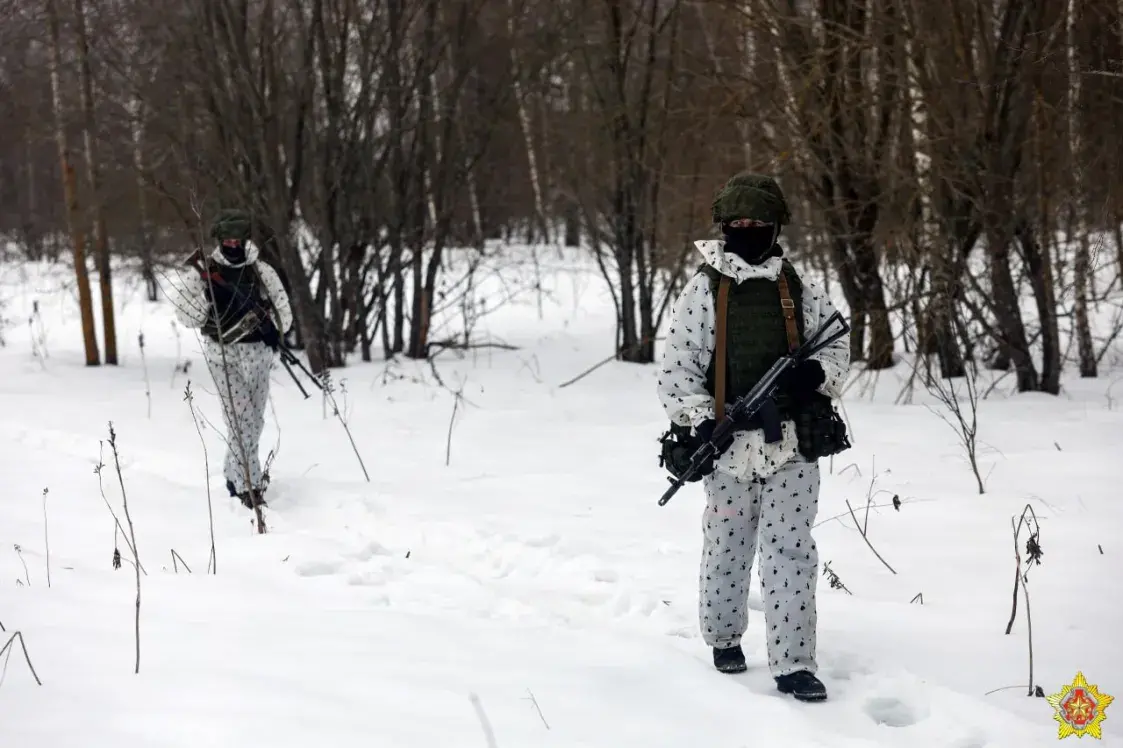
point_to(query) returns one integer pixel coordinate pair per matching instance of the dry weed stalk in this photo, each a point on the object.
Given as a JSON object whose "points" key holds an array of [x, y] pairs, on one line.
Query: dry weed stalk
{"points": [[46, 537], [132, 535], [189, 398], [329, 396], [178, 559], [23, 645], [147, 381], [1028, 520]]}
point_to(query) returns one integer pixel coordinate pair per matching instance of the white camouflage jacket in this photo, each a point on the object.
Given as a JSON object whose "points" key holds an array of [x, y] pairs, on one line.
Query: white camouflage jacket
{"points": [[192, 307], [690, 346]]}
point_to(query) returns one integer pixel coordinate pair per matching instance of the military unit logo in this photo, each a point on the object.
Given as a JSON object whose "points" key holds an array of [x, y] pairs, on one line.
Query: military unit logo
{"points": [[1079, 708]]}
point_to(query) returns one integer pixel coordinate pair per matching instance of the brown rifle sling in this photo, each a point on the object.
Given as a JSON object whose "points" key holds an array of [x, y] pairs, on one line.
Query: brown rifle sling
{"points": [[719, 348], [788, 307]]}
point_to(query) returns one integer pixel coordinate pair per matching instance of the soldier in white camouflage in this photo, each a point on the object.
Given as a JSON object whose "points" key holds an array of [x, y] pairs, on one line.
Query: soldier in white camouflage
{"points": [[762, 493]]}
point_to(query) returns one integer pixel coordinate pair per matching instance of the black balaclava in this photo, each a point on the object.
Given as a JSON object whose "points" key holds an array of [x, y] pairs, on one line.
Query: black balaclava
{"points": [[753, 244], [235, 254]]}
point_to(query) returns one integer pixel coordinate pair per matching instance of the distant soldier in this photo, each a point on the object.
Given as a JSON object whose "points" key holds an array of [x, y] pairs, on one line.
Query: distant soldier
{"points": [[241, 306], [763, 492]]}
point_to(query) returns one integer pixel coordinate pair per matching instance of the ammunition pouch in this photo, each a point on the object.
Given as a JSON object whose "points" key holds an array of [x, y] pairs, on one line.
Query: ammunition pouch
{"points": [[235, 333], [819, 428]]}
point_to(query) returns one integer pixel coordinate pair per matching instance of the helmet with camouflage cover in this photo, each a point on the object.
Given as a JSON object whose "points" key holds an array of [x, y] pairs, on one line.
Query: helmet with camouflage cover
{"points": [[754, 196], [232, 223]]}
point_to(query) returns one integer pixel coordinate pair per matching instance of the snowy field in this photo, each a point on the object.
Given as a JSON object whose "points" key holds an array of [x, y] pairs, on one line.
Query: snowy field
{"points": [[516, 584]]}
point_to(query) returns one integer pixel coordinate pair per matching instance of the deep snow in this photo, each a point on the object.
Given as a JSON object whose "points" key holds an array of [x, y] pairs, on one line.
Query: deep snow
{"points": [[530, 590]]}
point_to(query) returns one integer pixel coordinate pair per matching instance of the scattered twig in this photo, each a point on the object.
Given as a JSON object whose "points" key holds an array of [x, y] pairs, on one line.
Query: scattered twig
{"points": [[489, 734], [23, 645], [118, 531], [606, 361], [189, 397], [918, 599], [132, 535], [835, 582], [175, 566], [866, 538], [1004, 688], [46, 537], [537, 708]]}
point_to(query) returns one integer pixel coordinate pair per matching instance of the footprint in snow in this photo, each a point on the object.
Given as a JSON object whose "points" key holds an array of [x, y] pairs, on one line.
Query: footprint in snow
{"points": [[890, 712]]}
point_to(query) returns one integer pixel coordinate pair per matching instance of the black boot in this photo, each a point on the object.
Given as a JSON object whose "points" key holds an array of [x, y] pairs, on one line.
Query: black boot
{"points": [[803, 686], [730, 659]]}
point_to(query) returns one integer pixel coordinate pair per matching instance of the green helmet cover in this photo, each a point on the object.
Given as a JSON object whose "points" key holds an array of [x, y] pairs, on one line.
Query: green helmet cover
{"points": [[232, 224], [754, 196]]}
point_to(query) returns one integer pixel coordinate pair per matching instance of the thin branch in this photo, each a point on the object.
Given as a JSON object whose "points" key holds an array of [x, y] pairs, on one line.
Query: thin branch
{"points": [[26, 656]]}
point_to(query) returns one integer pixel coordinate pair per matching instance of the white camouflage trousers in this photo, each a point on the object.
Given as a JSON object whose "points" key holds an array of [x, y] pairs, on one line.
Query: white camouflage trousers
{"points": [[774, 516], [242, 382]]}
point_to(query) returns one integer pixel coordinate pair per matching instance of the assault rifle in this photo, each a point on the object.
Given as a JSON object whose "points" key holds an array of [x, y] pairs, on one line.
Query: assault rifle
{"points": [[257, 315], [752, 402]]}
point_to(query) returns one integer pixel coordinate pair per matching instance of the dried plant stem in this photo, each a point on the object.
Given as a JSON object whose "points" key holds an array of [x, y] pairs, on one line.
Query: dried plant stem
{"points": [[147, 382], [1028, 519], [175, 566], [1029, 636], [452, 420], [537, 708], [132, 535], [46, 537], [189, 396], [118, 528], [26, 656], [329, 395], [866, 538], [26, 574]]}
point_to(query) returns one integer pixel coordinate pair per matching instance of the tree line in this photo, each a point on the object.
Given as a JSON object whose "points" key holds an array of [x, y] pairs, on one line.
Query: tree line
{"points": [[943, 160]]}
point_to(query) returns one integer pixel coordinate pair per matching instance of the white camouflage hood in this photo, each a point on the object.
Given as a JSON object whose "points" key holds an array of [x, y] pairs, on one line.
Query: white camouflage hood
{"points": [[713, 252]]}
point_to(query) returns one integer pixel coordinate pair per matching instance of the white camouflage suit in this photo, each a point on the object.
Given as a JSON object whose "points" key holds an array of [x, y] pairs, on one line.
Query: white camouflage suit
{"points": [[245, 365], [760, 496]]}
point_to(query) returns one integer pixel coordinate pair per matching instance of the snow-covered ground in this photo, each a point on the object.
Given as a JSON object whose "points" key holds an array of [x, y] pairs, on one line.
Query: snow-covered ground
{"points": [[517, 585]]}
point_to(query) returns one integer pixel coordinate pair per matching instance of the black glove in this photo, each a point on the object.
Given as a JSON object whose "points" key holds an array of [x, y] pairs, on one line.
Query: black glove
{"points": [[269, 334], [702, 433], [803, 380]]}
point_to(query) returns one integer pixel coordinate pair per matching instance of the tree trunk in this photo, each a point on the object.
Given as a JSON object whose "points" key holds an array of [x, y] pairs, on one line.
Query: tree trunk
{"points": [[144, 240], [70, 193], [1014, 343], [101, 241], [1085, 346], [1040, 266]]}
